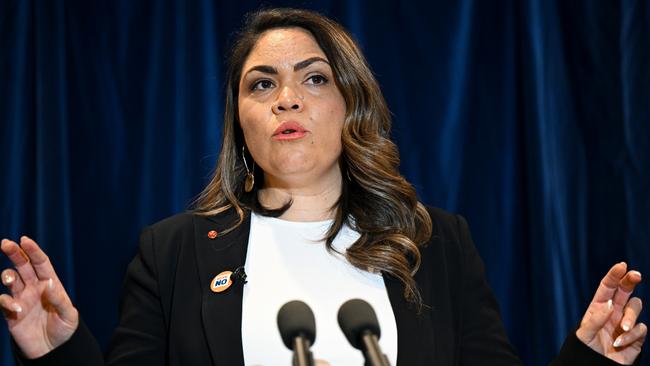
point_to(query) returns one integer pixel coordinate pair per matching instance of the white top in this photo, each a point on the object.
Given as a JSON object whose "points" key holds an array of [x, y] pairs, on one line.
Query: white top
{"points": [[288, 260]]}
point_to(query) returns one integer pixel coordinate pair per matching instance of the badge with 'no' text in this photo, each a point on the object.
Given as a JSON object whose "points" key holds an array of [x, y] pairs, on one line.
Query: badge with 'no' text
{"points": [[221, 282]]}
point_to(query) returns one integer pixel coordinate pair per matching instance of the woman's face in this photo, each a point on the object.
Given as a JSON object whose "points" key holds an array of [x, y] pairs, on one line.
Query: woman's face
{"points": [[290, 109]]}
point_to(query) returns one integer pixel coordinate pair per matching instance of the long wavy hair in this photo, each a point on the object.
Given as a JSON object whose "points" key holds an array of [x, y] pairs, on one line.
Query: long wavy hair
{"points": [[375, 200]]}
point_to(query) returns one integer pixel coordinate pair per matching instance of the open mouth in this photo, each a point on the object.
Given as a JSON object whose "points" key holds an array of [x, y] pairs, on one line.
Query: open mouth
{"points": [[289, 130]]}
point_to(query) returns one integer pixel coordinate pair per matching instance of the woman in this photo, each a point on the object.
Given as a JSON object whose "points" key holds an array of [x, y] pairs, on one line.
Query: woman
{"points": [[307, 199]]}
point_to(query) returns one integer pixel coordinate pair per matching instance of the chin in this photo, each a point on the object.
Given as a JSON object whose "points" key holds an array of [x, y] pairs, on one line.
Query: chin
{"points": [[287, 170], [293, 162]]}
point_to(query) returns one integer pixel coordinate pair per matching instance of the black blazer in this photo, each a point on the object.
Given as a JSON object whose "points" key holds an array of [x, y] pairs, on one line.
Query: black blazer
{"points": [[169, 315]]}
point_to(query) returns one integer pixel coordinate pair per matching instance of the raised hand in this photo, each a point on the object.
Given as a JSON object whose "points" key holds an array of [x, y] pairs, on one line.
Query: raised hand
{"points": [[609, 326], [38, 311]]}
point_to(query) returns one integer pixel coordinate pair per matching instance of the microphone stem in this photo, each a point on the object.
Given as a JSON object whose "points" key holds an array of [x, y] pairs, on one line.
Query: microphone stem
{"points": [[302, 356], [373, 354]]}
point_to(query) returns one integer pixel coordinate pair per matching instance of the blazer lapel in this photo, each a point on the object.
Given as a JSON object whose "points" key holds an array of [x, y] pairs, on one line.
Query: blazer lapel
{"points": [[414, 333], [221, 312]]}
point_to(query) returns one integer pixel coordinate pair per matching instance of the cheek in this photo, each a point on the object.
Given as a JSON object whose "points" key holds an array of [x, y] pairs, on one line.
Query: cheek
{"points": [[327, 137], [338, 120], [252, 122]]}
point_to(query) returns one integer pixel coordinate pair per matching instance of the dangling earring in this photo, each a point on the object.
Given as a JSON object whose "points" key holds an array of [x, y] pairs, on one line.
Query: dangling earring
{"points": [[250, 177]]}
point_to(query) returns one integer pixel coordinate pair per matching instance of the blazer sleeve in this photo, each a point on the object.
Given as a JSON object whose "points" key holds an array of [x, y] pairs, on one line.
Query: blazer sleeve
{"points": [[484, 340], [140, 337], [80, 350], [574, 352]]}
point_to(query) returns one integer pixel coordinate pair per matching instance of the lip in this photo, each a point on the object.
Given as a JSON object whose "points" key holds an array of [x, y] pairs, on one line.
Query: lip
{"points": [[298, 131]]}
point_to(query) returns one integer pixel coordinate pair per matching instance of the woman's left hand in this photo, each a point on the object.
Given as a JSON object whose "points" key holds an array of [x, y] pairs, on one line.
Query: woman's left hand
{"points": [[609, 326]]}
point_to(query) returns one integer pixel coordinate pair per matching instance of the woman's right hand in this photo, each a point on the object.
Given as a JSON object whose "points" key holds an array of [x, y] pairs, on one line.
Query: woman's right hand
{"points": [[38, 311]]}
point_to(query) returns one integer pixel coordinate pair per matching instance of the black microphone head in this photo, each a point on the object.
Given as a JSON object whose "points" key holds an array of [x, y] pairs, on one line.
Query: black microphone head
{"points": [[295, 318], [356, 317]]}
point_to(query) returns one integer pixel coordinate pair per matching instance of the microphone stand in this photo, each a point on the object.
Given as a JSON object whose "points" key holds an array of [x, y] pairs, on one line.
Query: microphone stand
{"points": [[371, 350], [302, 356]]}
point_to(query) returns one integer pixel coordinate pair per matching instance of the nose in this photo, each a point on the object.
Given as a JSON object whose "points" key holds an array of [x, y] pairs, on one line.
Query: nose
{"points": [[288, 100]]}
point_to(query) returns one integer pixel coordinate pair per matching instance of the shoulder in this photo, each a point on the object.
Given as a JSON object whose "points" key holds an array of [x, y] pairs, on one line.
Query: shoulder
{"points": [[173, 239], [187, 221], [446, 226], [166, 236], [179, 222], [450, 247]]}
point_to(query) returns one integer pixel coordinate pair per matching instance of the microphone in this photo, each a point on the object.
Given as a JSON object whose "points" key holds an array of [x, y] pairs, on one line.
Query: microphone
{"points": [[239, 275], [298, 331], [359, 323]]}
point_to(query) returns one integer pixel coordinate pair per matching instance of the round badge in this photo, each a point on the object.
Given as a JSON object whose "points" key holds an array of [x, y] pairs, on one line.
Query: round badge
{"points": [[212, 234], [221, 282]]}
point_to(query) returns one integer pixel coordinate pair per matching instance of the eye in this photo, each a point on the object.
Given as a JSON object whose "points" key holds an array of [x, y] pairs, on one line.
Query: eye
{"points": [[317, 80], [262, 85]]}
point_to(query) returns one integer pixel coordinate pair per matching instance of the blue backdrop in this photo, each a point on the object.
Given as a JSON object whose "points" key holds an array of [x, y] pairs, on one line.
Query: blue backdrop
{"points": [[529, 117]]}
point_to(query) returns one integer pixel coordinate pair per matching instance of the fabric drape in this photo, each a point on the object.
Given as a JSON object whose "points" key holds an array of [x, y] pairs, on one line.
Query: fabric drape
{"points": [[531, 118]]}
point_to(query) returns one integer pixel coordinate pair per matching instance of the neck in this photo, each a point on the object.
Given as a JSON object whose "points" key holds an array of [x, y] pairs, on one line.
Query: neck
{"points": [[310, 202]]}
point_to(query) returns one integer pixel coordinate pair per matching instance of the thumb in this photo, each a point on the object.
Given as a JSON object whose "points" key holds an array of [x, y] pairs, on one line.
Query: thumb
{"points": [[594, 320], [56, 295]]}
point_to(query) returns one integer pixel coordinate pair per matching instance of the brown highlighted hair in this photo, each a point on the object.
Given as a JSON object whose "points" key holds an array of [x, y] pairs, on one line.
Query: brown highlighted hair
{"points": [[376, 200]]}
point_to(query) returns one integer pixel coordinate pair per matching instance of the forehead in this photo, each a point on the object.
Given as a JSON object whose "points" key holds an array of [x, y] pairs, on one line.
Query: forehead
{"points": [[283, 47]]}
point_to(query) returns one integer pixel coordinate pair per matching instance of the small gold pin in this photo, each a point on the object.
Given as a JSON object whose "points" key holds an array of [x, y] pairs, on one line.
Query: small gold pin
{"points": [[212, 234]]}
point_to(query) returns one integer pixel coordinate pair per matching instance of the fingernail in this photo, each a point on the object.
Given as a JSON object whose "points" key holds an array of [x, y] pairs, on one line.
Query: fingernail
{"points": [[618, 341], [609, 304], [8, 279], [625, 326], [17, 308], [50, 283]]}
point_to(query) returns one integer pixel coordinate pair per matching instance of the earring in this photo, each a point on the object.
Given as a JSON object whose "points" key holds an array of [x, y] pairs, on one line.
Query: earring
{"points": [[250, 177]]}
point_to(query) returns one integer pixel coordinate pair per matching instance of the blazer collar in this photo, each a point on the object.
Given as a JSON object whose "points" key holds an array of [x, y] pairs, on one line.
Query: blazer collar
{"points": [[222, 312]]}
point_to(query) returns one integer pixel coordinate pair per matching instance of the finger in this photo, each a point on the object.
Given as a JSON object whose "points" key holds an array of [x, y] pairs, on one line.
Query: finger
{"points": [[10, 307], [58, 298], [626, 287], [609, 283], [631, 313], [638, 333], [630, 280], [597, 315], [11, 279], [20, 260], [38, 258]]}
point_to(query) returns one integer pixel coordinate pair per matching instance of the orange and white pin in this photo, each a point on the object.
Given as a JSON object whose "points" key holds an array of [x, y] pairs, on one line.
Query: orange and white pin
{"points": [[221, 282]]}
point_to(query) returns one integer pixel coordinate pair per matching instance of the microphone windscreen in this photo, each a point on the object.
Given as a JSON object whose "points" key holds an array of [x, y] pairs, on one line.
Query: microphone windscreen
{"points": [[355, 317], [295, 318]]}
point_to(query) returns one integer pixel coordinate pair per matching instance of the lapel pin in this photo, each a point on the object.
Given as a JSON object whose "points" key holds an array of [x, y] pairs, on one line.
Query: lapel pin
{"points": [[221, 282], [212, 234], [226, 279]]}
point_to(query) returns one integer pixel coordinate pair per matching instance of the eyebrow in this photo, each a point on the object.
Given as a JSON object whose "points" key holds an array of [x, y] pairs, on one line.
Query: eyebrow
{"points": [[297, 67], [302, 64]]}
